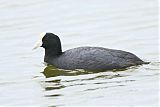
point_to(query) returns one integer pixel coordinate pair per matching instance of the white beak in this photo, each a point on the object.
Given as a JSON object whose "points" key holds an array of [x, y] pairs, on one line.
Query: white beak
{"points": [[39, 42]]}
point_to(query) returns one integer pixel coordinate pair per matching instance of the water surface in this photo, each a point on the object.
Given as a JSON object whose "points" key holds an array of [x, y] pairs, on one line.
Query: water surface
{"points": [[129, 25]]}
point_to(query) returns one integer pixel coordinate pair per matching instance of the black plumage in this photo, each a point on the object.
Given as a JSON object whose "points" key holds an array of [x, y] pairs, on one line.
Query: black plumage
{"points": [[88, 58]]}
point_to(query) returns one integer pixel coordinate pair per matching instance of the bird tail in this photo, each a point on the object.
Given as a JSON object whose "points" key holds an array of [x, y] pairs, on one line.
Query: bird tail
{"points": [[146, 62]]}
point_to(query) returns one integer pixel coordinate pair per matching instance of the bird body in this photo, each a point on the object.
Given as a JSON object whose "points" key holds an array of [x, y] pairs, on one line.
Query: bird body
{"points": [[94, 58]]}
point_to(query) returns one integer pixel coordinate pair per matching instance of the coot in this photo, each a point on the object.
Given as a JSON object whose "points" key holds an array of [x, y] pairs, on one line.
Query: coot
{"points": [[87, 58]]}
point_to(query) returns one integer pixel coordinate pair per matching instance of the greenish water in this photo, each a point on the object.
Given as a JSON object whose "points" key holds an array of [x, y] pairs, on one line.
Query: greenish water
{"points": [[119, 24]]}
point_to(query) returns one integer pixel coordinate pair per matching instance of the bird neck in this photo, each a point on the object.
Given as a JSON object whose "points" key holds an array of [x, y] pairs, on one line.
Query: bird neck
{"points": [[52, 53]]}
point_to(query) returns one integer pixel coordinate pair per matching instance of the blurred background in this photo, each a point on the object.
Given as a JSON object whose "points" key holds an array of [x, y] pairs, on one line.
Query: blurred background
{"points": [[130, 25]]}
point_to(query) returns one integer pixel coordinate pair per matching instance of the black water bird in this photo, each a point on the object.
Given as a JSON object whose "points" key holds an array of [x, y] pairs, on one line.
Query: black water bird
{"points": [[87, 58]]}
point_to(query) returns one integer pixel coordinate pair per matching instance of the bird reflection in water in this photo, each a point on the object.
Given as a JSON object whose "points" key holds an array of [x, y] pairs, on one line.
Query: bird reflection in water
{"points": [[54, 85], [51, 71]]}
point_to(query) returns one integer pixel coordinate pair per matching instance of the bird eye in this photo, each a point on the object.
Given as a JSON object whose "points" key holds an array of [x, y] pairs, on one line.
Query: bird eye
{"points": [[44, 38]]}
